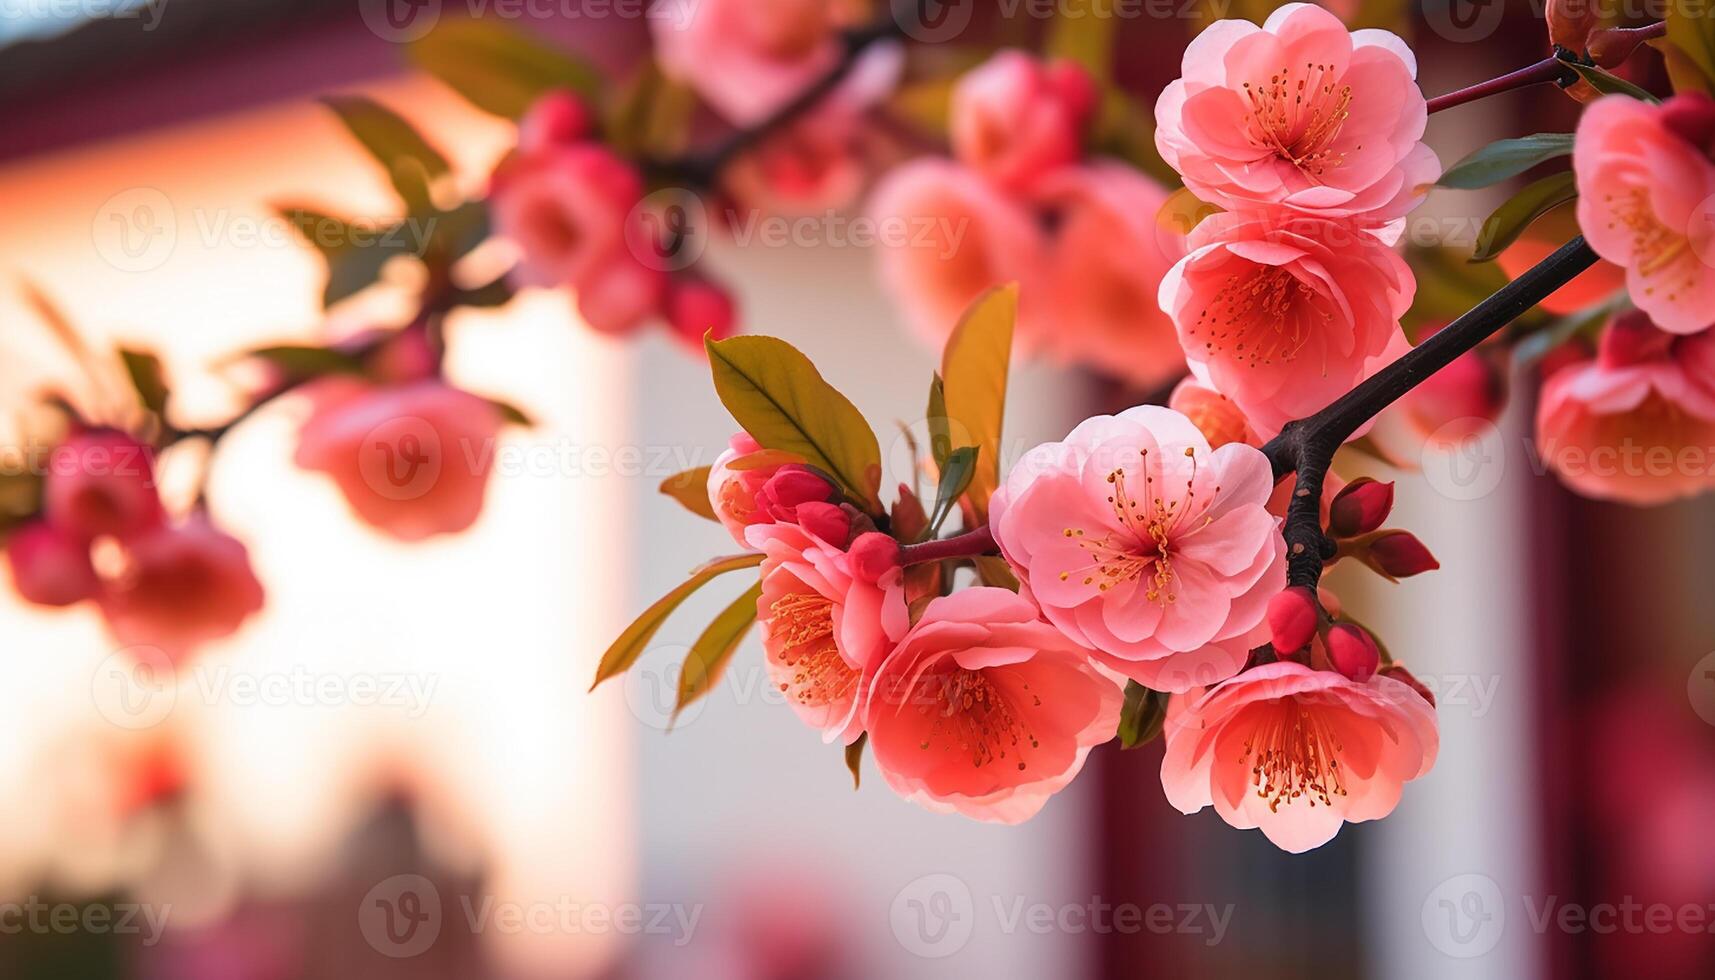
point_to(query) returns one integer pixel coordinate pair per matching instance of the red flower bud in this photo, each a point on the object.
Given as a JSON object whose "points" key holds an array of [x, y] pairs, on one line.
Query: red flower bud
{"points": [[1398, 673], [1691, 117], [696, 307], [1292, 619], [826, 521], [791, 485], [1353, 652], [556, 119], [1570, 23], [50, 568], [1632, 338], [1360, 508], [1400, 555], [1076, 89], [873, 555], [101, 482]]}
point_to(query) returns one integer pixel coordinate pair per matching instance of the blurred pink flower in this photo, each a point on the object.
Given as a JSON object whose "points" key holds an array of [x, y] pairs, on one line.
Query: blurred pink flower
{"points": [[961, 237], [412, 460], [824, 629], [984, 710], [1459, 402], [1637, 422], [1645, 197], [182, 585], [101, 481], [1106, 262], [1213, 413], [1142, 543], [566, 207], [1300, 113], [49, 566], [1016, 119], [1297, 752], [1284, 313]]}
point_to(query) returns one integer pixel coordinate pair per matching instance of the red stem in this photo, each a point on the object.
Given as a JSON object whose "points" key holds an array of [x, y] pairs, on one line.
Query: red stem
{"points": [[1609, 48], [970, 544]]}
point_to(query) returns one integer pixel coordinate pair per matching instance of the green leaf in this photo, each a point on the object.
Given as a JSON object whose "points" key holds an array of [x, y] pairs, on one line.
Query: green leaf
{"points": [[854, 757], [147, 379], [778, 396], [974, 373], [308, 362], [691, 489], [1142, 716], [631, 643], [1692, 33], [993, 570], [714, 648], [511, 413], [498, 69], [1586, 322], [1084, 32], [495, 293], [411, 163], [354, 257], [1608, 84], [955, 478], [940, 440], [1511, 219], [651, 116], [1505, 158], [1448, 285]]}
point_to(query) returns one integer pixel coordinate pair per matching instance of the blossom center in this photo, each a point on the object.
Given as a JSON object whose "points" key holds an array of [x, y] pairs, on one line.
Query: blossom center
{"points": [[1654, 247], [1146, 545], [974, 716], [1294, 753], [803, 622], [1258, 317], [1299, 116]]}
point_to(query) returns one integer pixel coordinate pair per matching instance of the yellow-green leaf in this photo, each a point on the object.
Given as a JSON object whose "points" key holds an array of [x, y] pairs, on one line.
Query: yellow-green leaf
{"points": [[854, 757], [500, 69], [940, 444], [631, 643], [955, 479], [1692, 33], [691, 488], [973, 376], [1141, 716], [1084, 32], [714, 648], [778, 396], [1511, 219]]}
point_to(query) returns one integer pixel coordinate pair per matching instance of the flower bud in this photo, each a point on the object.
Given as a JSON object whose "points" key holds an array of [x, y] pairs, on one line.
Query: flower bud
{"points": [[1360, 508], [101, 482], [1353, 651], [873, 555], [791, 485], [1398, 673], [556, 119], [1292, 619], [1691, 117], [49, 567], [1570, 23], [1398, 554], [1632, 338], [696, 307], [826, 521]]}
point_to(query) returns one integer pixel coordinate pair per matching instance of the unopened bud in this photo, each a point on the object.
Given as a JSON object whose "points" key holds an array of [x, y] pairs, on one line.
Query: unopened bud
{"points": [[873, 555], [1399, 554], [791, 485], [556, 119], [1353, 652], [826, 521], [1691, 117], [49, 567], [1360, 508], [696, 307], [1292, 619]]}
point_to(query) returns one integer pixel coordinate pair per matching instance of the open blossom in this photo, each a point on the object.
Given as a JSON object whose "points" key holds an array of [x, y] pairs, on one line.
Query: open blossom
{"points": [[49, 566], [1635, 423], [412, 460], [1017, 119], [964, 237], [1299, 113], [1106, 262], [824, 628], [181, 585], [1283, 314], [1297, 752], [99, 482], [985, 710], [1143, 544], [1645, 184]]}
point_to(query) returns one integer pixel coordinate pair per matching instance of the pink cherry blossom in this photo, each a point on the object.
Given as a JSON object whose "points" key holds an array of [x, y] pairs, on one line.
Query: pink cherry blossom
{"points": [[1300, 113], [1646, 200], [101, 481], [182, 585], [1283, 313], [49, 566], [985, 710], [566, 207], [1297, 752], [1637, 422], [962, 237], [412, 460], [1016, 119], [1143, 544], [1457, 403], [824, 628], [1106, 262]]}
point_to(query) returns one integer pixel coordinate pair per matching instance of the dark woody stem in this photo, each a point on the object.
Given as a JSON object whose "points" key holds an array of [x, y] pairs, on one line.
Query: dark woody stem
{"points": [[1608, 49]]}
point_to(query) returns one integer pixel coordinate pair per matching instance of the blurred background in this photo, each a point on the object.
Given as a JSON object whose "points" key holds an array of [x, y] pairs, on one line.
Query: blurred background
{"points": [[395, 770]]}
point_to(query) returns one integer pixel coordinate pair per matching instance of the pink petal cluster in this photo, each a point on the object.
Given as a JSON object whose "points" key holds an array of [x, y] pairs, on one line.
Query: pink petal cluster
{"points": [[1636, 423], [985, 710], [761, 491], [1145, 545], [411, 459], [1297, 752], [1299, 113], [1283, 313], [182, 586], [1646, 201], [825, 627], [1021, 203], [1459, 402], [748, 58]]}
